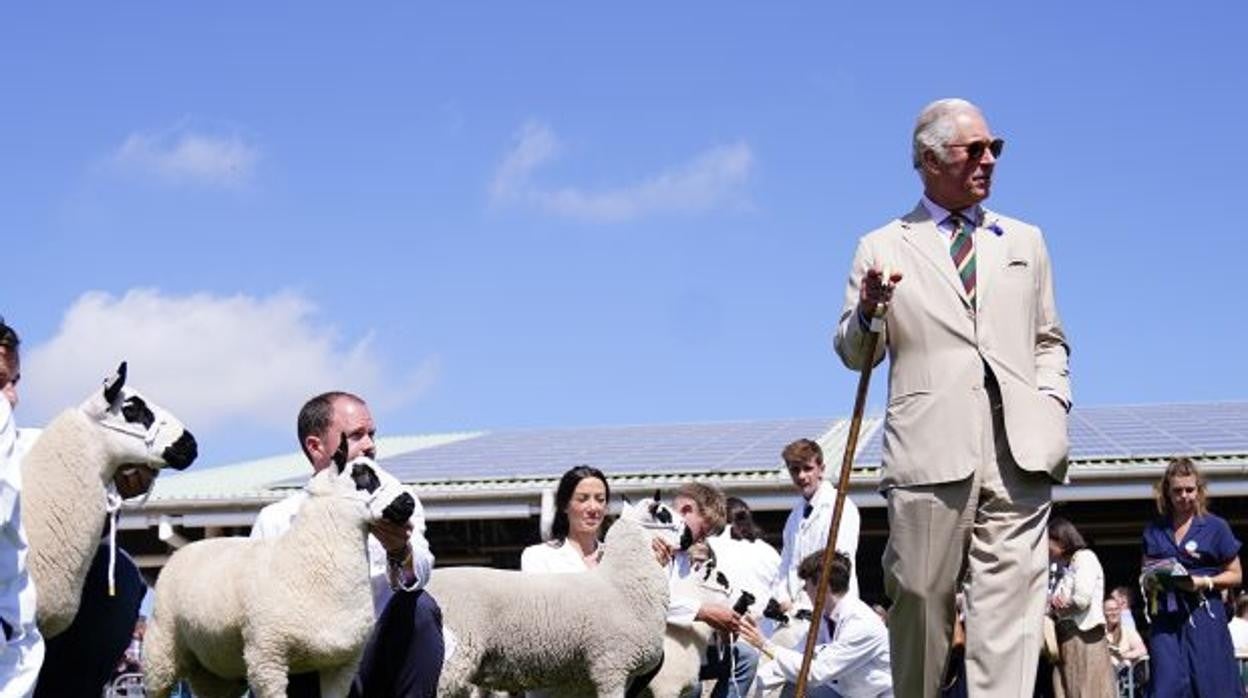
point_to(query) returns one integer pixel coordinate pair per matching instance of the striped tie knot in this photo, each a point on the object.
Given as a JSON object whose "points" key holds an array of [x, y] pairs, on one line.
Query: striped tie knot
{"points": [[962, 248]]}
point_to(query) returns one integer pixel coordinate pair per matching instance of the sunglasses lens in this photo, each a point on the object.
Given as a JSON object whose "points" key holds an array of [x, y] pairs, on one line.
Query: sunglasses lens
{"points": [[975, 150], [996, 146]]}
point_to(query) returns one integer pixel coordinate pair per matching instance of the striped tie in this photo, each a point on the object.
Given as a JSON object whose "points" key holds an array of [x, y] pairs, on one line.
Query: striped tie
{"points": [[963, 251]]}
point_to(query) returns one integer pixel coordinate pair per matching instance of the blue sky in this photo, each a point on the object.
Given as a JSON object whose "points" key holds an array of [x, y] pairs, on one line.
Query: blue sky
{"points": [[560, 214]]}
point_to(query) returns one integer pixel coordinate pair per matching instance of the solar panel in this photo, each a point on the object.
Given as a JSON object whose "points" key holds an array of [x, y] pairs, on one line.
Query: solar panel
{"points": [[631, 450], [1139, 431]]}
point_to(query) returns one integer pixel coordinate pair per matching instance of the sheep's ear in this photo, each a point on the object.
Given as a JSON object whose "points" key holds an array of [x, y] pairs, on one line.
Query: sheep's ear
{"points": [[113, 386], [340, 456], [656, 495], [624, 498]]}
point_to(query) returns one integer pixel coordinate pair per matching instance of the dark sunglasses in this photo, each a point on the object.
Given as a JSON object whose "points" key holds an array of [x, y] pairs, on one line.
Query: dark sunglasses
{"points": [[975, 149]]}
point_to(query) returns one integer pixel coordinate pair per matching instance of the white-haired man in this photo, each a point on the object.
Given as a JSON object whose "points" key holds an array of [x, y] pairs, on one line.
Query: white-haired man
{"points": [[975, 430]]}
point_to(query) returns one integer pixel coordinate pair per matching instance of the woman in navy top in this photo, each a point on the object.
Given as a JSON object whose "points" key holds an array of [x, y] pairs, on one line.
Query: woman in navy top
{"points": [[1190, 647]]}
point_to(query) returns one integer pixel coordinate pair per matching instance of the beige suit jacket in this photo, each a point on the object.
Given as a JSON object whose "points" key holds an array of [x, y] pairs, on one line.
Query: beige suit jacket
{"points": [[937, 347]]}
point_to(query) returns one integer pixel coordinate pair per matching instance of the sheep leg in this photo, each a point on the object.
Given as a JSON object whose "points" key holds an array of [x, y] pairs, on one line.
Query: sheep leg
{"points": [[453, 682], [336, 683], [208, 685], [611, 687], [160, 670], [266, 670]]}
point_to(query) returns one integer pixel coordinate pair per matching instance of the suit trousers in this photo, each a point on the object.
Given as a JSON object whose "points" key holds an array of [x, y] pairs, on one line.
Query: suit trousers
{"points": [[987, 534]]}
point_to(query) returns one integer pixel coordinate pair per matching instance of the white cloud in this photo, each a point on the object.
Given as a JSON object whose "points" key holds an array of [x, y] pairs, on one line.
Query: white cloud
{"points": [[215, 361], [180, 155], [714, 179]]}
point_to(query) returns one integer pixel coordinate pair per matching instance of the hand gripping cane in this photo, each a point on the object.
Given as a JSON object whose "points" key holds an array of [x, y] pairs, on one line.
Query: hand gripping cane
{"points": [[842, 486]]}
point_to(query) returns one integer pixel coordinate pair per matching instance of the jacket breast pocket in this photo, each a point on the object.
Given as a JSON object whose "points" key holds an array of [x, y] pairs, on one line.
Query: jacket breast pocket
{"points": [[1018, 265]]}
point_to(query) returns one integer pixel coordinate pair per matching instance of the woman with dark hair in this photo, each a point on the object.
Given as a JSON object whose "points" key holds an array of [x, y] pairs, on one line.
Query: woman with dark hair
{"points": [[1085, 670], [1190, 646], [574, 545]]}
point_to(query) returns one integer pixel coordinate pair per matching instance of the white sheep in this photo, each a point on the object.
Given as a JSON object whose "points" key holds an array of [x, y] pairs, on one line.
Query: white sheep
{"points": [[514, 631], [232, 611], [66, 477], [684, 648]]}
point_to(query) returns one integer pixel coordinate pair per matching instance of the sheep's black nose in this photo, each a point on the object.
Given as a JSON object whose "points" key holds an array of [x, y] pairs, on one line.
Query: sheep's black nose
{"points": [[182, 453], [400, 510]]}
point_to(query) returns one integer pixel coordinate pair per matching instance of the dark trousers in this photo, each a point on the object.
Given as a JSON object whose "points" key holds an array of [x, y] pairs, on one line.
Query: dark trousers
{"points": [[403, 657], [81, 660]]}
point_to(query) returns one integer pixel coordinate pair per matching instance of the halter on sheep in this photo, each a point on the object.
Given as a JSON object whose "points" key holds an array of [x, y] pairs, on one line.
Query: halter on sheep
{"points": [[515, 631], [67, 484], [232, 611]]}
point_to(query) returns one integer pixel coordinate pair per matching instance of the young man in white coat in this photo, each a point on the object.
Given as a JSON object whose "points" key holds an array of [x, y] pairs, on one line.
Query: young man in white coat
{"points": [[806, 530], [22, 651], [851, 657]]}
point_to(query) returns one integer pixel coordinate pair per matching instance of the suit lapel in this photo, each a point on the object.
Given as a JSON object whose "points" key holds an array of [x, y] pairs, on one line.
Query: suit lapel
{"points": [[989, 257], [920, 231]]}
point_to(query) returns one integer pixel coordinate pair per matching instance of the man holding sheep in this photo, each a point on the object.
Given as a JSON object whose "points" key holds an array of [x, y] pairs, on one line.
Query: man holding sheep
{"points": [[404, 654], [22, 650]]}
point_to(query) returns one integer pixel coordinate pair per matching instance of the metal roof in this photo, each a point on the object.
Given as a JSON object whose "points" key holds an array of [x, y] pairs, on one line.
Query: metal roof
{"points": [[256, 478], [715, 447], [744, 451]]}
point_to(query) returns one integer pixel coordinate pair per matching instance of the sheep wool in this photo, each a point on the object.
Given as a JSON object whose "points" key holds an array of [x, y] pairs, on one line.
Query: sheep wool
{"points": [[233, 611], [514, 631], [65, 478]]}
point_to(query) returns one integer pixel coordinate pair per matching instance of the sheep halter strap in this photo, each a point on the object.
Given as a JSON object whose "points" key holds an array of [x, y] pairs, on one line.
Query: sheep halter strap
{"points": [[112, 504]]}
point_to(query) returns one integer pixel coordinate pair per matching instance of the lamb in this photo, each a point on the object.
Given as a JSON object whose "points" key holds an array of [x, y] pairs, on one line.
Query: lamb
{"points": [[66, 477], [512, 631], [684, 648], [232, 611]]}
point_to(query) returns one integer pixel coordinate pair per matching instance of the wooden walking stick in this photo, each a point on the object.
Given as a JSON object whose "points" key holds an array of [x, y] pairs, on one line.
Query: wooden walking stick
{"points": [[842, 485]]}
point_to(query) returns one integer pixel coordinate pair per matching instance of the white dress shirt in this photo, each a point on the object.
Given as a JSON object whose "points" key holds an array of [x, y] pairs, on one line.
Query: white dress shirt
{"points": [[275, 519], [804, 535], [21, 653], [682, 608], [559, 559], [853, 660], [749, 566]]}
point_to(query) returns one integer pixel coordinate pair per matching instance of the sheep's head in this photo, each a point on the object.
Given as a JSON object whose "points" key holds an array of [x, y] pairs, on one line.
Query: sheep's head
{"points": [[660, 520], [141, 437], [379, 494]]}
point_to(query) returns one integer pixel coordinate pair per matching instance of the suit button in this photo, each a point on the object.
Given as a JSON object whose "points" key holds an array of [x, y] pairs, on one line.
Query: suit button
{"points": [[975, 388]]}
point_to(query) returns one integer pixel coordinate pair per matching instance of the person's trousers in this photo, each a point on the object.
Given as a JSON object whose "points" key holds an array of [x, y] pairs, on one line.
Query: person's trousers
{"points": [[81, 660], [732, 671], [403, 657], [988, 532]]}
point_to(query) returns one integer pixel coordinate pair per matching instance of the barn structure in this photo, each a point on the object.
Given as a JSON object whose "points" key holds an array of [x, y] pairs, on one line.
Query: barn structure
{"points": [[484, 492]]}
